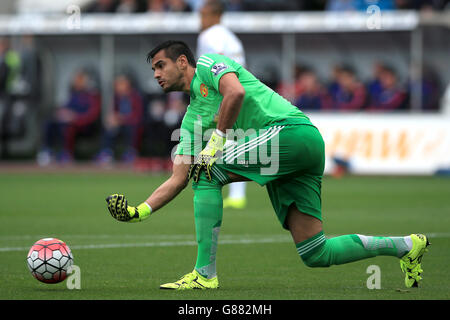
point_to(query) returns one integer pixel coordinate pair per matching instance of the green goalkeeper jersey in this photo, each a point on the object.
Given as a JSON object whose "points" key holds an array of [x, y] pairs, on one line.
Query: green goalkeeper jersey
{"points": [[261, 108]]}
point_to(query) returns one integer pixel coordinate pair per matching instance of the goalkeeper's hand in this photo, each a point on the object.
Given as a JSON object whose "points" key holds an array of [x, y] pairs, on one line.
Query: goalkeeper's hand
{"points": [[208, 156], [120, 210]]}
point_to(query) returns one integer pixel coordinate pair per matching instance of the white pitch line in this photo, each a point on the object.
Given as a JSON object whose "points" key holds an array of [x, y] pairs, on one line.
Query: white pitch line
{"points": [[226, 239], [176, 236], [96, 236], [161, 244]]}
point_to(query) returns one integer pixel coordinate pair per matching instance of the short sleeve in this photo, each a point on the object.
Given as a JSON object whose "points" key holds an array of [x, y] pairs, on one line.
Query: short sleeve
{"points": [[210, 68]]}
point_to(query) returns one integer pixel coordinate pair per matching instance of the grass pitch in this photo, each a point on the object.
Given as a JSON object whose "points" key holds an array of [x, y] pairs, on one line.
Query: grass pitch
{"points": [[256, 257]]}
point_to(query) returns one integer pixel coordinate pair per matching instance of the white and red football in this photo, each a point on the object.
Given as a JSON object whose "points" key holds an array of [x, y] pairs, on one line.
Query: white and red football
{"points": [[49, 259]]}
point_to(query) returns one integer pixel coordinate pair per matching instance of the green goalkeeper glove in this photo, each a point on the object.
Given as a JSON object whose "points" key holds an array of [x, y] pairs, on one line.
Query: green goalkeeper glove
{"points": [[120, 210], [208, 156]]}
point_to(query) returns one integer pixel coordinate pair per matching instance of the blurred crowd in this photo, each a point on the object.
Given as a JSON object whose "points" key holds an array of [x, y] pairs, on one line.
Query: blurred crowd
{"points": [[136, 124], [140, 123], [131, 6], [344, 91], [19, 79]]}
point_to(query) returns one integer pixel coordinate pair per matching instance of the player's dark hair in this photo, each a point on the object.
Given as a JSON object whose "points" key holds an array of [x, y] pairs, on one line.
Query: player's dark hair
{"points": [[389, 69], [348, 69], [173, 49], [217, 6]]}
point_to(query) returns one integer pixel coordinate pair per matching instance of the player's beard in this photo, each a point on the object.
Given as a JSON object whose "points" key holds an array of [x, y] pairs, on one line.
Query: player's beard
{"points": [[177, 85]]}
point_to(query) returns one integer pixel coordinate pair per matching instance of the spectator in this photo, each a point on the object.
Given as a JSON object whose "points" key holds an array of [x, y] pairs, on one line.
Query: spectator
{"points": [[362, 5], [195, 4], [422, 4], [374, 86], [19, 91], [127, 6], [390, 96], [102, 6], [155, 133], [124, 121], [10, 67], [178, 6], [4, 103], [312, 5], [78, 116], [10, 64], [431, 89], [351, 93], [234, 5], [176, 108], [30, 68], [341, 5], [156, 6], [291, 90], [312, 97], [359, 5], [333, 86], [4, 71], [163, 115], [272, 5]]}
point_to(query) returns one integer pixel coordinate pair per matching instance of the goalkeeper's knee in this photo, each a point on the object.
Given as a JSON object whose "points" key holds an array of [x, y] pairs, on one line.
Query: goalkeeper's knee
{"points": [[320, 260], [319, 251], [316, 262], [315, 251]]}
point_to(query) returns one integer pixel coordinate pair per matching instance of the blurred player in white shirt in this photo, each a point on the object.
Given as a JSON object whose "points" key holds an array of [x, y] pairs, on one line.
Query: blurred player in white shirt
{"points": [[216, 38]]}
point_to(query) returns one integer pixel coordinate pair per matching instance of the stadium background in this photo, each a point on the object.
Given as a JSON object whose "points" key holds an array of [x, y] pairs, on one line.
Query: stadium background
{"points": [[292, 46]]}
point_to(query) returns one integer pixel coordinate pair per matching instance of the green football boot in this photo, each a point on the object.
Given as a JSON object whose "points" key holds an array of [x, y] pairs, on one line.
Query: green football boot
{"points": [[410, 262], [190, 281]]}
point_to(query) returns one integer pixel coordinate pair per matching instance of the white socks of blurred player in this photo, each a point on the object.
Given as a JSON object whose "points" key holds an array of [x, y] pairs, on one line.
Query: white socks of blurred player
{"points": [[236, 196], [237, 190]]}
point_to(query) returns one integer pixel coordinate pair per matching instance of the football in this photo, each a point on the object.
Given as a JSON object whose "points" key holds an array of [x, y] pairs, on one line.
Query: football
{"points": [[49, 260]]}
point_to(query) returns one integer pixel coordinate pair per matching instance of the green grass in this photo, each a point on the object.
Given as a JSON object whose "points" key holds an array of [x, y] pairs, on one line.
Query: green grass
{"points": [[72, 207]]}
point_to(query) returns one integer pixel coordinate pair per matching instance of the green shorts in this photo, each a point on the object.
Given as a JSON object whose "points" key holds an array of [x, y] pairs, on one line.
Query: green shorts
{"points": [[288, 159]]}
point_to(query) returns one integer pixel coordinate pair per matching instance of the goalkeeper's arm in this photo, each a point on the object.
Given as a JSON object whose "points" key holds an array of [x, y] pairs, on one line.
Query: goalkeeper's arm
{"points": [[233, 95], [172, 186], [118, 204]]}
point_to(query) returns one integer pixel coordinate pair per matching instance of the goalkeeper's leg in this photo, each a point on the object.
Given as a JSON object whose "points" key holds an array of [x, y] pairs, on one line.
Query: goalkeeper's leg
{"points": [[318, 251], [208, 210]]}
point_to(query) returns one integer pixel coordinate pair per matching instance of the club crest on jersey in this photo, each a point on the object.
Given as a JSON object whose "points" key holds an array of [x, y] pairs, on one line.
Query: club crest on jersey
{"points": [[204, 90], [218, 68]]}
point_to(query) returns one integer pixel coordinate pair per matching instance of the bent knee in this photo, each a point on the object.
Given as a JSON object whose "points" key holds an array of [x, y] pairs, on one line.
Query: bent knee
{"points": [[315, 252], [313, 262]]}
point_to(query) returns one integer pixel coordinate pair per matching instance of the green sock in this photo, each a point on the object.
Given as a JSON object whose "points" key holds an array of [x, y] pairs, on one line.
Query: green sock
{"points": [[208, 210], [319, 251]]}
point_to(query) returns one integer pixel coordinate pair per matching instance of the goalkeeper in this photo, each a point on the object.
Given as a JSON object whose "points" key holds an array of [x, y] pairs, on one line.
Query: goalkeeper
{"points": [[226, 100]]}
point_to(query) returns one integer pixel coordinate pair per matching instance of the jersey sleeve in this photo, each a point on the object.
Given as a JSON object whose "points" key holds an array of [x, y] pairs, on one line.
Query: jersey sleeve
{"points": [[211, 68]]}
